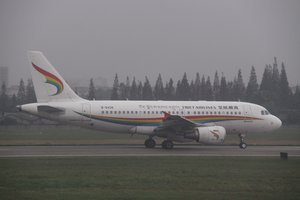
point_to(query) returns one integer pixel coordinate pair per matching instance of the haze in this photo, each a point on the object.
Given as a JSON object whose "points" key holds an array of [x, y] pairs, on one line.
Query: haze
{"points": [[91, 39]]}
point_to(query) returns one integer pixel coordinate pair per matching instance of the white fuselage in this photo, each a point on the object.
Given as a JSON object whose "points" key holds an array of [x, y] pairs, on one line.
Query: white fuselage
{"points": [[123, 116]]}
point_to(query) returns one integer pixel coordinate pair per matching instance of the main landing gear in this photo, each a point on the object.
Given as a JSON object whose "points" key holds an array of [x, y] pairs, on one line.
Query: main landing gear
{"points": [[242, 145], [166, 144], [150, 143]]}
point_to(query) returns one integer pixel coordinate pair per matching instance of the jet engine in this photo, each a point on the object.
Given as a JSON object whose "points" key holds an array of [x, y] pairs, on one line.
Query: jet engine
{"points": [[207, 135]]}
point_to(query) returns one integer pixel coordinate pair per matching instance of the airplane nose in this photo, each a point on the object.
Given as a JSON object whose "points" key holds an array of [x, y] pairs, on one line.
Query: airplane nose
{"points": [[276, 122]]}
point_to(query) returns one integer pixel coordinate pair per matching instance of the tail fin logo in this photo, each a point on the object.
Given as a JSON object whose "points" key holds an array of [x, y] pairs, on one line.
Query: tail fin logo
{"points": [[51, 79]]}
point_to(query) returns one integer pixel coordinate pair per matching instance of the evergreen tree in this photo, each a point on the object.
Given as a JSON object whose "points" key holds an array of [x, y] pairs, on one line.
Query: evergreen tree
{"points": [[183, 89], [30, 94], [266, 82], [13, 103], [21, 95], [230, 90], [115, 90], [252, 87], [266, 87], [285, 91], [122, 91], [133, 90], [296, 99], [3, 99], [216, 87], [91, 95], [197, 87], [275, 83], [159, 93], [223, 89], [170, 90], [140, 91], [127, 88], [203, 89], [238, 87], [178, 86], [147, 90], [209, 90], [192, 90]]}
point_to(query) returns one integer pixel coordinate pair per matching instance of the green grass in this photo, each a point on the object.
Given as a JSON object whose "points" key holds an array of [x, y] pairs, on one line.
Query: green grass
{"points": [[52, 135], [149, 178]]}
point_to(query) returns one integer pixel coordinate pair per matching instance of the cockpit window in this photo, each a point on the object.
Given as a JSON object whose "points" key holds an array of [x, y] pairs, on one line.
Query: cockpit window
{"points": [[265, 112]]}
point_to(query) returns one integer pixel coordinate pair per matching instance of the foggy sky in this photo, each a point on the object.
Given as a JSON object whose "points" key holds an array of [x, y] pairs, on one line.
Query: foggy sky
{"points": [[89, 39]]}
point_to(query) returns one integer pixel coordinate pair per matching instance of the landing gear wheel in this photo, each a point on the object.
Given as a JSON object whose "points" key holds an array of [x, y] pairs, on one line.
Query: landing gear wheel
{"points": [[167, 144], [243, 145], [150, 143]]}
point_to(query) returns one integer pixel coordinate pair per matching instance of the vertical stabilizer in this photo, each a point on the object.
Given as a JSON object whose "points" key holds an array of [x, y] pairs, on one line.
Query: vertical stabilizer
{"points": [[49, 86]]}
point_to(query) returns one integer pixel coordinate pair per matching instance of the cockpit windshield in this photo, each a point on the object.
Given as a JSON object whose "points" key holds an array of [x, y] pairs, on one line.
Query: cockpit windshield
{"points": [[265, 112]]}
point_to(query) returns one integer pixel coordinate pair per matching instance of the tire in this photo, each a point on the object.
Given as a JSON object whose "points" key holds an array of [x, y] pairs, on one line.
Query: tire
{"points": [[150, 143], [167, 144], [243, 145]]}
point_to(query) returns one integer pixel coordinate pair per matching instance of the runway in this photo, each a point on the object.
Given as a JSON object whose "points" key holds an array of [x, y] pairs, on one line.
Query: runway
{"points": [[140, 150]]}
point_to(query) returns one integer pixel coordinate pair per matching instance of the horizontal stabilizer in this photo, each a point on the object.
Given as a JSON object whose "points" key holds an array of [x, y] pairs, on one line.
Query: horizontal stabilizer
{"points": [[50, 109]]}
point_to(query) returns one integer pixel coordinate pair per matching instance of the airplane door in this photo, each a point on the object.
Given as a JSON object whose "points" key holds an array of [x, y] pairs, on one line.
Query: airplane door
{"points": [[86, 110], [247, 121]]}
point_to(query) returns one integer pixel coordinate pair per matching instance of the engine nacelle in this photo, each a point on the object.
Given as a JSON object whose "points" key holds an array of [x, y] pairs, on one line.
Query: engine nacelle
{"points": [[208, 135], [143, 130]]}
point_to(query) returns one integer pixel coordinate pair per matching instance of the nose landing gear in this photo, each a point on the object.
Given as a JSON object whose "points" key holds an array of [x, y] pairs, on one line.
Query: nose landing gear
{"points": [[242, 145]]}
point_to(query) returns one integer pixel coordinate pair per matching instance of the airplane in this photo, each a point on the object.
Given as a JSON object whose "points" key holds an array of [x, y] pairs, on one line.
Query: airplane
{"points": [[205, 122]]}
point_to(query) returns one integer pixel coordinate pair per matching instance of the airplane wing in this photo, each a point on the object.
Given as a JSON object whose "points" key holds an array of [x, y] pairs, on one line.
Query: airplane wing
{"points": [[176, 122]]}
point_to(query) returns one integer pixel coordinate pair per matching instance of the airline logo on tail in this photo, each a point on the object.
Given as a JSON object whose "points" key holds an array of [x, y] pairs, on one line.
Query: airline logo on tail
{"points": [[51, 79]]}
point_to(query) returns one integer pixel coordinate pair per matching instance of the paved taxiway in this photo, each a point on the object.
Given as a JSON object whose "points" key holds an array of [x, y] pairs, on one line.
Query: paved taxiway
{"points": [[139, 150]]}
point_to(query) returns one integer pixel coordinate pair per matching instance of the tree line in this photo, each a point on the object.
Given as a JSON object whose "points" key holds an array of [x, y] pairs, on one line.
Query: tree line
{"points": [[273, 92]]}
